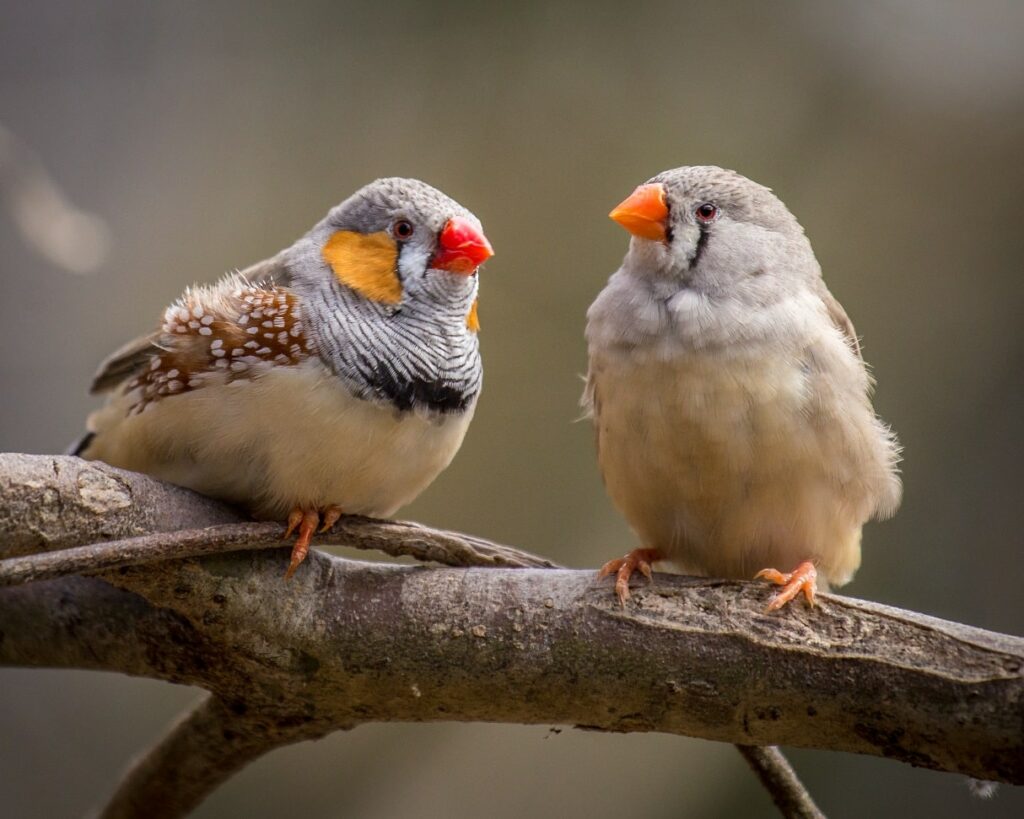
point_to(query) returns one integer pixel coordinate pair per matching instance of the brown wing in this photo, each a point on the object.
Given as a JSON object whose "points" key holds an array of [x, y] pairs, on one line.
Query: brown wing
{"points": [[839, 318], [133, 357]]}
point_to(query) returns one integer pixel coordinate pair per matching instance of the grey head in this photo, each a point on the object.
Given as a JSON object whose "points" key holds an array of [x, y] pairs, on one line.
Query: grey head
{"points": [[716, 232], [394, 241], [715, 260], [388, 281]]}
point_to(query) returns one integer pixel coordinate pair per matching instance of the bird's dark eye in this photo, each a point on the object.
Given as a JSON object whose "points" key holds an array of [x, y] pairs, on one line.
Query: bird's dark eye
{"points": [[706, 213], [402, 229]]}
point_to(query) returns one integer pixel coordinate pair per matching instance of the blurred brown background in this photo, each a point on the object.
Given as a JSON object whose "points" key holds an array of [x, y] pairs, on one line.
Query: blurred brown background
{"points": [[207, 136]]}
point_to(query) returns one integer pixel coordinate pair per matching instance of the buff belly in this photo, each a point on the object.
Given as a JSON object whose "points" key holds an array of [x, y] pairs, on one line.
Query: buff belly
{"points": [[292, 436], [716, 463]]}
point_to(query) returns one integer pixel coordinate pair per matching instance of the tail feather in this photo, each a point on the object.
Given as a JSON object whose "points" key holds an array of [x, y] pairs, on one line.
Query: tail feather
{"points": [[80, 445]]}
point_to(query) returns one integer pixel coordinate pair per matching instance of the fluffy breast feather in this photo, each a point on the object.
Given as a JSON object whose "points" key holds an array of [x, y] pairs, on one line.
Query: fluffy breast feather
{"points": [[744, 455], [288, 436]]}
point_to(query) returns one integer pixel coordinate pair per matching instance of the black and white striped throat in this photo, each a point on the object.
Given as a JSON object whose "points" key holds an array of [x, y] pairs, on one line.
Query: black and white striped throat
{"points": [[414, 357]]}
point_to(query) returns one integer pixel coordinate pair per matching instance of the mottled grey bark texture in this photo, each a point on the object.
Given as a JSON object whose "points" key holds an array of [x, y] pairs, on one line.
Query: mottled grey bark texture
{"points": [[67, 516], [347, 642]]}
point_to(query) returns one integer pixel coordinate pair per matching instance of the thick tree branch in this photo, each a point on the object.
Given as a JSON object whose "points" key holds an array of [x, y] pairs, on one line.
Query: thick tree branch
{"points": [[348, 642], [54, 504]]}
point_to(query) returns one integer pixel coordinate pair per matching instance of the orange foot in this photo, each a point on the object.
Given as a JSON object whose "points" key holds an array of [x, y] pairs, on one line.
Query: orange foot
{"points": [[306, 520], [804, 578], [639, 560]]}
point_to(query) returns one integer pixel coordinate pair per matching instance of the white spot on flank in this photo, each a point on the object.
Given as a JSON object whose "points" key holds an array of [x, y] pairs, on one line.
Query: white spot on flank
{"points": [[155, 363], [257, 314], [243, 319], [205, 331], [206, 320], [252, 330], [239, 366], [237, 351], [279, 321], [296, 329], [218, 353], [268, 335], [194, 325], [263, 351], [282, 337], [268, 324], [197, 311], [181, 328], [175, 385], [217, 342], [252, 345], [172, 373]]}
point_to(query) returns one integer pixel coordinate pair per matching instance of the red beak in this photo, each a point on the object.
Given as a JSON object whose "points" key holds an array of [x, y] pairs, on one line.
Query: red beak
{"points": [[463, 247]]}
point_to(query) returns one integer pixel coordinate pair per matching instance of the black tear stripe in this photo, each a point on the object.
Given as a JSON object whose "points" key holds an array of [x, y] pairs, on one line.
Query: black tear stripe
{"points": [[702, 243], [413, 392]]}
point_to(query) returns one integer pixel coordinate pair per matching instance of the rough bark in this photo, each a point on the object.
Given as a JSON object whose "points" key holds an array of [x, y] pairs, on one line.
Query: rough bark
{"points": [[347, 642]]}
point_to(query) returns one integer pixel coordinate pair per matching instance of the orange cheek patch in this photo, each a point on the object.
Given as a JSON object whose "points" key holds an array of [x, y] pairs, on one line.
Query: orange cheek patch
{"points": [[473, 319], [366, 263]]}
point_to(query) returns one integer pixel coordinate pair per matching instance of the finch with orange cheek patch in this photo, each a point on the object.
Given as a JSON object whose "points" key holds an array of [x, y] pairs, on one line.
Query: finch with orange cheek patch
{"points": [[339, 376], [732, 407]]}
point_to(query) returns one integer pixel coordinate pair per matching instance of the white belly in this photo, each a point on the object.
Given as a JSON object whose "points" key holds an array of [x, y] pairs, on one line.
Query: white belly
{"points": [[294, 436], [714, 461]]}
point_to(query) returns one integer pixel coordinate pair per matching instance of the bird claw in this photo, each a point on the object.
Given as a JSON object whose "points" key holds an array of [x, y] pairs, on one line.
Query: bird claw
{"points": [[332, 514], [804, 578], [639, 560], [307, 520], [294, 519]]}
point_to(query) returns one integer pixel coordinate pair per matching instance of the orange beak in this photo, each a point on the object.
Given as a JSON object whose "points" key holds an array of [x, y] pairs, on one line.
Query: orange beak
{"points": [[463, 247], [644, 213]]}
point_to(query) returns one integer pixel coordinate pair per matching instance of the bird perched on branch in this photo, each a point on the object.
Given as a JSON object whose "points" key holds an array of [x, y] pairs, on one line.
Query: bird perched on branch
{"points": [[339, 376], [732, 407]]}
